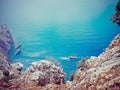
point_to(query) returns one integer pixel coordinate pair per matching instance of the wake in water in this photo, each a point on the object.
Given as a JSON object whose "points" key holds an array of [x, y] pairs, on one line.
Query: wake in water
{"points": [[64, 58], [69, 58]]}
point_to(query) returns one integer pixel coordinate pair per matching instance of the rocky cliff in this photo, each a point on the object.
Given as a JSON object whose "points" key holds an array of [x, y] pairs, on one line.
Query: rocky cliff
{"points": [[102, 72], [94, 73], [116, 16], [6, 42], [41, 75], [99, 73], [45, 72]]}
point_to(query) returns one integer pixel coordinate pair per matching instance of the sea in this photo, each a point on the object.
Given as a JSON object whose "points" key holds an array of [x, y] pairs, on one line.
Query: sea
{"points": [[59, 41]]}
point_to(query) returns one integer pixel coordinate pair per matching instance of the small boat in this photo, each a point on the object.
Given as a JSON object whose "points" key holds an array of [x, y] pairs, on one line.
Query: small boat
{"points": [[18, 45], [18, 51], [72, 57]]}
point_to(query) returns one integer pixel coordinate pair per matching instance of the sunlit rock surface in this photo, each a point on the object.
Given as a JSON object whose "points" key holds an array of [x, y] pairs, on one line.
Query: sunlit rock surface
{"points": [[46, 71], [99, 73], [17, 66]]}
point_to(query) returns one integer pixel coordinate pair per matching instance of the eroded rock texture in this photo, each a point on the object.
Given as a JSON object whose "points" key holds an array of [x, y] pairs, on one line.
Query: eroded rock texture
{"points": [[6, 41], [99, 73], [45, 72], [116, 16]]}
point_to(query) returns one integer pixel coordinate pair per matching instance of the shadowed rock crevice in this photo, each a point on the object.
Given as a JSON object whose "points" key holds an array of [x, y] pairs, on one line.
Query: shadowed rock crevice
{"points": [[116, 16]]}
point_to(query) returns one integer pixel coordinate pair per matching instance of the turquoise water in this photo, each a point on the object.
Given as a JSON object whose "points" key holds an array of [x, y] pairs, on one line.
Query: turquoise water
{"points": [[61, 41], [67, 31]]}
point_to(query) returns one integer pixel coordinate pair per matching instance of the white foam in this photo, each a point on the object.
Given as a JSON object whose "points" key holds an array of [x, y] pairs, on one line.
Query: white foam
{"points": [[64, 58], [35, 54]]}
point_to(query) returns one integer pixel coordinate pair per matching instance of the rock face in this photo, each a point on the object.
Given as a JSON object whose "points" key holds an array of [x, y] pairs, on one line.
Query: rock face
{"points": [[116, 16], [17, 66], [42, 75], [99, 73], [45, 72], [94, 73], [6, 41]]}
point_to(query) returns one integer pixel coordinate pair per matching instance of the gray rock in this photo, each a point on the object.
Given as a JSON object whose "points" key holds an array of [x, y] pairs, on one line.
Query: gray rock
{"points": [[6, 73], [6, 39], [6, 42], [45, 72], [17, 66], [103, 72]]}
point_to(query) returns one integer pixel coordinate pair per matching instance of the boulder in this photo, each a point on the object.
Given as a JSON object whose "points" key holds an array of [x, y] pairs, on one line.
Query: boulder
{"points": [[17, 66], [45, 71], [6, 73]]}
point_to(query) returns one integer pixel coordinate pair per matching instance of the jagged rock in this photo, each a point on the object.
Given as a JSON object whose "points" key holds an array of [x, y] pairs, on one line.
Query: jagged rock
{"points": [[72, 77], [6, 42], [6, 39], [116, 16], [6, 73], [97, 73], [103, 71], [17, 66], [45, 72], [94, 73]]}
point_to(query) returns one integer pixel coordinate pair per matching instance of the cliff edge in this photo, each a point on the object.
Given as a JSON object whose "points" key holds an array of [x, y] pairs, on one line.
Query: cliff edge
{"points": [[94, 73], [116, 16], [6, 42], [99, 73]]}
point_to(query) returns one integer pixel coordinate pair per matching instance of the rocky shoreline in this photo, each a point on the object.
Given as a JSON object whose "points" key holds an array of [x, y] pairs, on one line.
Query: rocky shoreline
{"points": [[42, 72], [94, 73], [99, 73]]}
